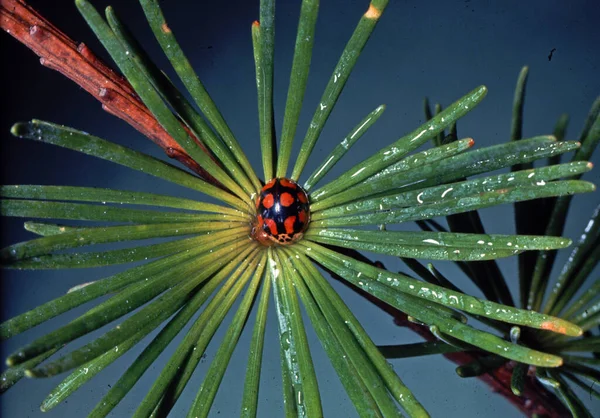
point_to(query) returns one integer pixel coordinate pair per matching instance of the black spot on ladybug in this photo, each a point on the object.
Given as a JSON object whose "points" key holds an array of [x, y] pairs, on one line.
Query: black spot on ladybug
{"points": [[282, 213]]}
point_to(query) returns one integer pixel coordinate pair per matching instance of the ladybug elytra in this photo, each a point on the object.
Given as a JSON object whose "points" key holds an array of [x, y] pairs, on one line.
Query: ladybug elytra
{"points": [[282, 213]]}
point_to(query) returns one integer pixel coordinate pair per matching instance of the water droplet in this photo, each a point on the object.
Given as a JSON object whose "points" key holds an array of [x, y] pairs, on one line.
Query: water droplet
{"points": [[285, 340]]}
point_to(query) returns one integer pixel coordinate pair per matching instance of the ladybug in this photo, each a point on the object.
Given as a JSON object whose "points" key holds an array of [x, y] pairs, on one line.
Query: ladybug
{"points": [[282, 213]]}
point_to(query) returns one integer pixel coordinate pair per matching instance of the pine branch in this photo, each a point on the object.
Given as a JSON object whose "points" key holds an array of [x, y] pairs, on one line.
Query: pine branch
{"points": [[535, 400], [77, 62]]}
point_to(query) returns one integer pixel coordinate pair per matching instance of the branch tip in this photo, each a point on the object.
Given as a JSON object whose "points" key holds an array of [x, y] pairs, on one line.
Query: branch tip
{"points": [[372, 12]]}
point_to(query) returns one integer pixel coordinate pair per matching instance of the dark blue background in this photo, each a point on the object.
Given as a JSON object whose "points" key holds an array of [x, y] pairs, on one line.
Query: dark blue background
{"points": [[440, 49]]}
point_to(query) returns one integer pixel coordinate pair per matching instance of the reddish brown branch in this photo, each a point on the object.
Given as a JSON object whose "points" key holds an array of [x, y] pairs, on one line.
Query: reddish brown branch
{"points": [[58, 52], [535, 400]]}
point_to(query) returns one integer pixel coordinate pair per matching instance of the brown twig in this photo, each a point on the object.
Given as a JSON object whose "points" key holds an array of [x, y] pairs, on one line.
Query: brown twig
{"points": [[535, 399], [77, 62]]}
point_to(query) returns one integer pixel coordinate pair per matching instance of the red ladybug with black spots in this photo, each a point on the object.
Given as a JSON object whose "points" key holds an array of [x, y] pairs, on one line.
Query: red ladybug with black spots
{"points": [[282, 212]]}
